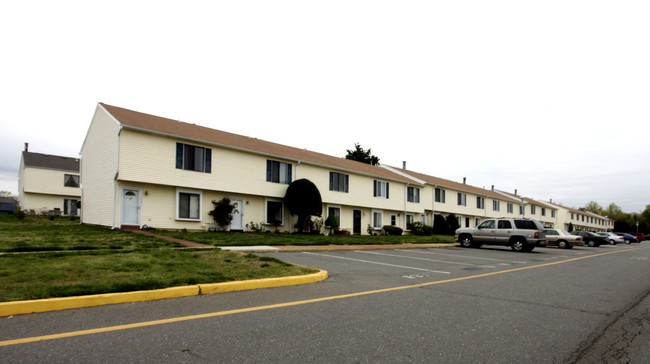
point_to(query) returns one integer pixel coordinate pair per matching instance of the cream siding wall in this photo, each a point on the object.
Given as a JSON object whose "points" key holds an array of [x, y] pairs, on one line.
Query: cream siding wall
{"points": [[38, 201], [98, 170], [48, 181]]}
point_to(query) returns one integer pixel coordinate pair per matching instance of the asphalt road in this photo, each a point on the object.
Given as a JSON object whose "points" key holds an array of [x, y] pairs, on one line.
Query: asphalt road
{"points": [[441, 305]]}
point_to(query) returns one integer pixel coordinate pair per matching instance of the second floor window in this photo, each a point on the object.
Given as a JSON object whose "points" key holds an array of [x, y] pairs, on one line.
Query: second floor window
{"points": [[480, 203], [380, 189], [278, 172], [193, 158], [339, 182], [71, 180], [413, 194], [462, 199], [496, 205], [440, 195]]}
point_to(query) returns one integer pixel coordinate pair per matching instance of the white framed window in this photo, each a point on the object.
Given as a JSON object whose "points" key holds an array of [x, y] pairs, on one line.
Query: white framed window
{"points": [[480, 203], [510, 208], [393, 220], [543, 211], [71, 207], [477, 221], [188, 204], [377, 219], [274, 212], [496, 205], [413, 194], [381, 189], [409, 220], [334, 211], [532, 209]]}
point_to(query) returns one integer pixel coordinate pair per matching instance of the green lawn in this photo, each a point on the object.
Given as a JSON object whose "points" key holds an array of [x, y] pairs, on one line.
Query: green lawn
{"points": [[249, 239], [42, 258]]}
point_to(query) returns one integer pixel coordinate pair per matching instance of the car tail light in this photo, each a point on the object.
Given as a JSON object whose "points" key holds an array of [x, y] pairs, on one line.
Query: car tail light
{"points": [[536, 234], [579, 238]]}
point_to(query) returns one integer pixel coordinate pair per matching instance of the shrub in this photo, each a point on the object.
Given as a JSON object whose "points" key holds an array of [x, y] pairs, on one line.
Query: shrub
{"points": [[393, 230], [440, 225], [332, 222], [418, 228], [222, 212]]}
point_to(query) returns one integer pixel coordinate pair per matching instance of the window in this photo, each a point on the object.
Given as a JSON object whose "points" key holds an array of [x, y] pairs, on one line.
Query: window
{"points": [[188, 205], [377, 219], [510, 208], [339, 182], [393, 220], [504, 224], [413, 194], [70, 207], [487, 224], [274, 212], [462, 199], [496, 205], [440, 195], [477, 221], [532, 209], [552, 213], [480, 203], [278, 172], [521, 209], [193, 158], [409, 220], [380, 189], [334, 211], [543, 211], [71, 180]]}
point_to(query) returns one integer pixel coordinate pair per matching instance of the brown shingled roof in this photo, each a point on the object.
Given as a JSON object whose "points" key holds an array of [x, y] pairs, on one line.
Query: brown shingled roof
{"points": [[51, 161], [436, 181], [150, 123]]}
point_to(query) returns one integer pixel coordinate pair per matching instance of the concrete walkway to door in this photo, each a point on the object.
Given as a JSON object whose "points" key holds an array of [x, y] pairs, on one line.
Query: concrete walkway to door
{"points": [[169, 238]]}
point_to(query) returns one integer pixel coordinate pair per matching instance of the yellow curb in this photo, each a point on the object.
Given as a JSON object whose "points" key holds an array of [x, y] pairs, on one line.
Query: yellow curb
{"points": [[262, 283], [64, 303]]}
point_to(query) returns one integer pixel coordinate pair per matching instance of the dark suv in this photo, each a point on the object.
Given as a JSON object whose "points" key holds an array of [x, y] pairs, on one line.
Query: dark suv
{"points": [[519, 234], [591, 239]]}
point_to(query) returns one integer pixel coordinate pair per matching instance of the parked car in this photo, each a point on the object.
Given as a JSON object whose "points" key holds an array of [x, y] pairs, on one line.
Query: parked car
{"points": [[591, 239], [628, 238], [639, 236], [562, 239], [613, 238], [522, 235]]}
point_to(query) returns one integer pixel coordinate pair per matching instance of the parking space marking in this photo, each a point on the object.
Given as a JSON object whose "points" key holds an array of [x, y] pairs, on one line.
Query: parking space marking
{"points": [[425, 259], [467, 257], [378, 263]]}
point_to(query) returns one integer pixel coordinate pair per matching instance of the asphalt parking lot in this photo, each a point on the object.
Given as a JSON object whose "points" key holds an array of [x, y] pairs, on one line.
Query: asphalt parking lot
{"points": [[404, 305]]}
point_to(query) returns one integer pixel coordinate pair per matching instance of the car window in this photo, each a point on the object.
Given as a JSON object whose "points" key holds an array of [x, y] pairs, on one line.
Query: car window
{"points": [[487, 224], [550, 232], [525, 224], [504, 224]]}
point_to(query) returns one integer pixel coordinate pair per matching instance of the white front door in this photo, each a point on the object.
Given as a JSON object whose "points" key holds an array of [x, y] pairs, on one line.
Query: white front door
{"points": [[130, 206], [237, 222]]}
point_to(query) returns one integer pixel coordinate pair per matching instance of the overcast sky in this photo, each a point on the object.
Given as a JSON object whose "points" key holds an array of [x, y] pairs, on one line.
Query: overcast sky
{"points": [[551, 98]]}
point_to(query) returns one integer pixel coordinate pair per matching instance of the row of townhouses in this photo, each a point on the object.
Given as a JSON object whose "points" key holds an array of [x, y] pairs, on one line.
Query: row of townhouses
{"points": [[137, 169]]}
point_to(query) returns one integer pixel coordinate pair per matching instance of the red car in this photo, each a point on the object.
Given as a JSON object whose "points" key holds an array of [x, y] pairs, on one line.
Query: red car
{"points": [[639, 236]]}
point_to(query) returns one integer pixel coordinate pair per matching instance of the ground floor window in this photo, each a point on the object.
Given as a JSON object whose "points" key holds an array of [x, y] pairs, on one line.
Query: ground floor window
{"points": [[188, 205], [71, 207], [377, 219], [334, 211], [274, 212]]}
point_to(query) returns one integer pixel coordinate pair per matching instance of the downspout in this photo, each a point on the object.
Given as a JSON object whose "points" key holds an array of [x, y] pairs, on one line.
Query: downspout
{"points": [[406, 196], [117, 173]]}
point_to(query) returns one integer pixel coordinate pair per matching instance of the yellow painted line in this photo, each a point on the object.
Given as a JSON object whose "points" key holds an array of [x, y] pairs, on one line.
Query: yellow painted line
{"points": [[286, 304]]}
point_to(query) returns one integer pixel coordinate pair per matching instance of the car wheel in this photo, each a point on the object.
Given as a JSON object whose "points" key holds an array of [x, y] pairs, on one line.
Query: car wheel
{"points": [[591, 243], [627, 241], [466, 241], [519, 245], [569, 246], [612, 242], [562, 244]]}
